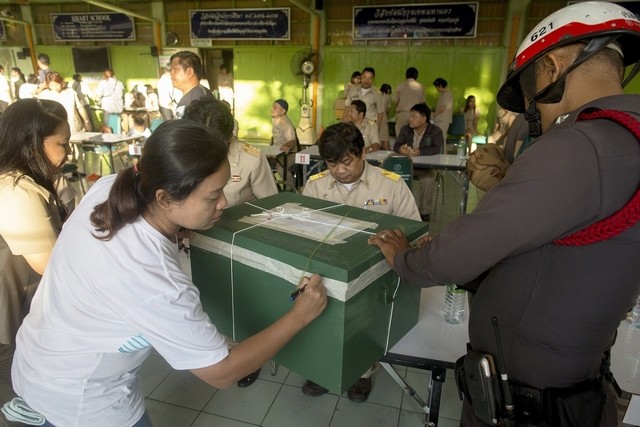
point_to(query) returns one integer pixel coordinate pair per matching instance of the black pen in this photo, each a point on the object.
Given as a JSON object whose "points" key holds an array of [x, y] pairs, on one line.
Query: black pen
{"points": [[296, 293]]}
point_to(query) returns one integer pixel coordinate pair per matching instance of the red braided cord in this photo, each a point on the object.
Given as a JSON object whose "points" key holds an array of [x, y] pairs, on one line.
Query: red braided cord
{"points": [[625, 217]]}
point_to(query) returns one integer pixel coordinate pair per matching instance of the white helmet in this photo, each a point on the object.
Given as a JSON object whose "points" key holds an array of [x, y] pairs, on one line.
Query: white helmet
{"points": [[579, 21]]}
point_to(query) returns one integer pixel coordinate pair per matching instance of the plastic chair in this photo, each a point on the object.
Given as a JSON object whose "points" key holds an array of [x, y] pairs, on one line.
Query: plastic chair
{"points": [[477, 140], [455, 132], [155, 123], [402, 165], [114, 123]]}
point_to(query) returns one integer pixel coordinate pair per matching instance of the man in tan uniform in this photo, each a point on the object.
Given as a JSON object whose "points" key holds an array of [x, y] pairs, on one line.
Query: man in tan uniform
{"points": [[368, 94], [369, 130], [406, 95], [352, 181], [251, 176], [443, 114]]}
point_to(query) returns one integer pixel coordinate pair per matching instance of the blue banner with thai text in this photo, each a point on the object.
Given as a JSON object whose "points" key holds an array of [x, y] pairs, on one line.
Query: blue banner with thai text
{"points": [[416, 21], [242, 24], [92, 26]]}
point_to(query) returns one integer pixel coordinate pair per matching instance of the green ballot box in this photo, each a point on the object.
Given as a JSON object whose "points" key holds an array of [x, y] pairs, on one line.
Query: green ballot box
{"points": [[248, 264]]}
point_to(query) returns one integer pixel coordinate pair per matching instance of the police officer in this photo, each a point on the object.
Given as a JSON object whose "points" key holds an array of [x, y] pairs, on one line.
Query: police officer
{"points": [[554, 246]]}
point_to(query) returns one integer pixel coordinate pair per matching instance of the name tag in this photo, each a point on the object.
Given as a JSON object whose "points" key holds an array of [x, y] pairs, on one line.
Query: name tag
{"points": [[235, 178]]}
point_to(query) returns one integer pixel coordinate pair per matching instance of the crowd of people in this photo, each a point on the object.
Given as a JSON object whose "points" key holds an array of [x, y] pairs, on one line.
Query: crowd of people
{"points": [[538, 253]]}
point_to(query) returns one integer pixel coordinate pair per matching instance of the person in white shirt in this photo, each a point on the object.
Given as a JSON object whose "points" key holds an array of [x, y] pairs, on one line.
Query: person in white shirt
{"points": [[106, 306], [57, 90], [29, 89], [5, 91], [168, 95], [110, 95]]}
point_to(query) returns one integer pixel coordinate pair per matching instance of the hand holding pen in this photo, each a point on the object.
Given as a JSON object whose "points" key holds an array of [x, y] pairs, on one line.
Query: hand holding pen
{"points": [[310, 298]]}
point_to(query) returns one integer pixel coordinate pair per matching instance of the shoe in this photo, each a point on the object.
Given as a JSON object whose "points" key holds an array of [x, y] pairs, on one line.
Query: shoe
{"points": [[312, 389], [359, 392], [425, 217], [249, 379]]}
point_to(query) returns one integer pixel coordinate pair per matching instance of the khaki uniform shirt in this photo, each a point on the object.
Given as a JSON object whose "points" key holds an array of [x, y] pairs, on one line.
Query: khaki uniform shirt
{"points": [[251, 176], [407, 94], [369, 132], [444, 119], [371, 98], [283, 131], [377, 190], [29, 224]]}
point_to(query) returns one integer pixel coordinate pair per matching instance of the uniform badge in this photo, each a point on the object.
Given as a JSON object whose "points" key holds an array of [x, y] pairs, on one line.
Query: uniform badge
{"points": [[235, 178], [373, 202]]}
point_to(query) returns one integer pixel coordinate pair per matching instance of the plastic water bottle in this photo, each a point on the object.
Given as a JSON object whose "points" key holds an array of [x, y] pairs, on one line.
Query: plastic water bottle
{"points": [[462, 148], [635, 316], [454, 304]]}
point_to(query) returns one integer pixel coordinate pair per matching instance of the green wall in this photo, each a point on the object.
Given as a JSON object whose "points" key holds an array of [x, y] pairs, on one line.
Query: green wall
{"points": [[469, 71], [262, 74], [132, 64]]}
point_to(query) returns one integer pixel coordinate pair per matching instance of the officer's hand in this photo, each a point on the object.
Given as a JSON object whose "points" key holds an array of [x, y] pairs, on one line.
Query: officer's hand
{"points": [[390, 243]]}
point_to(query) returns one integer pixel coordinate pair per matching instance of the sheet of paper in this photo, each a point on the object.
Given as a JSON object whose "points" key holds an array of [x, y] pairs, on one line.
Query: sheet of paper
{"points": [[632, 416], [319, 225]]}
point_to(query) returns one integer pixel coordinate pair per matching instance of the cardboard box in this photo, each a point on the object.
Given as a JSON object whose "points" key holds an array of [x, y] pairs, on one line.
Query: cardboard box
{"points": [[247, 265]]}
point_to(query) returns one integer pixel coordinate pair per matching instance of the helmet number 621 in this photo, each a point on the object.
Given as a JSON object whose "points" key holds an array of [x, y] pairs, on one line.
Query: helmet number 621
{"points": [[542, 31]]}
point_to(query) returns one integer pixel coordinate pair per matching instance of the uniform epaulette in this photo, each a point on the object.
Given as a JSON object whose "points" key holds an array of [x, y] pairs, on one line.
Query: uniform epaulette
{"points": [[252, 150], [319, 175], [391, 175]]}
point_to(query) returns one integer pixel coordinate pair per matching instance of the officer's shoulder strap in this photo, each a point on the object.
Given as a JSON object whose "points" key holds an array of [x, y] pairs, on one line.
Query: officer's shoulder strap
{"points": [[319, 175], [392, 176], [252, 150]]}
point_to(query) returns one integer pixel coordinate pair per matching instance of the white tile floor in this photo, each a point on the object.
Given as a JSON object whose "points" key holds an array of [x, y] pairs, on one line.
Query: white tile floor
{"points": [[177, 398]]}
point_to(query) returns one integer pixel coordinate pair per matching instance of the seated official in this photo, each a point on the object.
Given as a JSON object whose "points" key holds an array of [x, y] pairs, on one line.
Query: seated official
{"points": [[284, 136], [251, 176], [421, 138], [351, 180], [357, 115]]}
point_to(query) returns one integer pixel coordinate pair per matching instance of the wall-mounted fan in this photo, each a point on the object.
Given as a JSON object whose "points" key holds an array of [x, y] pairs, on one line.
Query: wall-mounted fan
{"points": [[306, 64]]}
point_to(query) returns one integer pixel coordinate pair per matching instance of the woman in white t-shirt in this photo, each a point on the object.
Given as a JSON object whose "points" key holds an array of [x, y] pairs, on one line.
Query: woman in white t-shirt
{"points": [[114, 289]]}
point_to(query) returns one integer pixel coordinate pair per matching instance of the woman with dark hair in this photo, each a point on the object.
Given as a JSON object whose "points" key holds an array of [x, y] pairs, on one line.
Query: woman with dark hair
{"points": [[122, 291], [34, 143], [57, 90], [354, 83], [17, 79], [471, 117], [383, 132]]}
